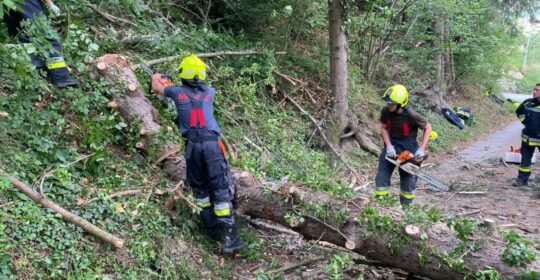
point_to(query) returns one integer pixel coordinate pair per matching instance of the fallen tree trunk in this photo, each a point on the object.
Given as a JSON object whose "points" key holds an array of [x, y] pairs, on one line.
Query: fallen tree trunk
{"points": [[376, 236], [429, 256], [68, 216], [135, 107]]}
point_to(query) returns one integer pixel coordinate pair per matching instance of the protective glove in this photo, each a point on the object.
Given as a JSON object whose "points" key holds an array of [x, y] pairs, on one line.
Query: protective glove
{"points": [[391, 152], [420, 153], [54, 9]]}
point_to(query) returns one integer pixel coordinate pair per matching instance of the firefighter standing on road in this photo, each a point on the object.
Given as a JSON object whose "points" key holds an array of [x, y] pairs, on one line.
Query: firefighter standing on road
{"points": [[207, 169], [529, 114], [399, 128]]}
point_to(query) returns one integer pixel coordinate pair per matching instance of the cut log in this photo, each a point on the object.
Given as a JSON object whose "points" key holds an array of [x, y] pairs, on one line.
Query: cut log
{"points": [[425, 257], [112, 105], [132, 87], [413, 231], [490, 225], [135, 107]]}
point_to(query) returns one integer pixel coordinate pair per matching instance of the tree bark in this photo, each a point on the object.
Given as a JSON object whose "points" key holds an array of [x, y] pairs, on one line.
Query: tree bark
{"points": [[282, 204], [449, 54], [440, 84], [338, 70], [68, 216], [135, 107]]}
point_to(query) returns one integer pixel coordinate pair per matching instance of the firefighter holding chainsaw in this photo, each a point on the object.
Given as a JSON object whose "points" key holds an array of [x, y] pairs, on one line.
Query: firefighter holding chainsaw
{"points": [[399, 126], [529, 114], [207, 169]]}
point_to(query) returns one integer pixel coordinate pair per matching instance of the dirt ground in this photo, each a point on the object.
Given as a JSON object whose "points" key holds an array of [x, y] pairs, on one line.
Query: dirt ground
{"points": [[479, 168]]}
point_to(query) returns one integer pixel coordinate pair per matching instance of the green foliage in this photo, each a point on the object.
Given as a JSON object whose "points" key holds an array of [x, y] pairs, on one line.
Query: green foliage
{"points": [[6, 5], [518, 251], [421, 215], [464, 227], [79, 47], [38, 31], [489, 274], [338, 265], [47, 128]]}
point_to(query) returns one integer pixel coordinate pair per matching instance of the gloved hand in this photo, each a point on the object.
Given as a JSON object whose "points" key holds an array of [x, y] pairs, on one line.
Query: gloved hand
{"points": [[420, 153], [54, 9], [391, 152]]}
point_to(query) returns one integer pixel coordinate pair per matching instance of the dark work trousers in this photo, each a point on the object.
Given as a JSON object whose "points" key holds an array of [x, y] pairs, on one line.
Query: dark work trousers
{"points": [[209, 175], [527, 152], [30, 10], [386, 168]]}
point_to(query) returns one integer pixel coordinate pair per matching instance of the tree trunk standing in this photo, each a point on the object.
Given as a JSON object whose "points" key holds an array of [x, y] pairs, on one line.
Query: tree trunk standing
{"points": [[338, 70], [440, 84], [422, 257], [449, 55]]}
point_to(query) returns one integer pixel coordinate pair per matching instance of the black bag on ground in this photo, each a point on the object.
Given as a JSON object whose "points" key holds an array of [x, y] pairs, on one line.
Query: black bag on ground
{"points": [[453, 118]]}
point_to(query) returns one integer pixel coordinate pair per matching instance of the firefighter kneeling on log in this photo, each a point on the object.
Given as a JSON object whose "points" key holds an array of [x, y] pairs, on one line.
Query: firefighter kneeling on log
{"points": [[399, 127], [207, 169]]}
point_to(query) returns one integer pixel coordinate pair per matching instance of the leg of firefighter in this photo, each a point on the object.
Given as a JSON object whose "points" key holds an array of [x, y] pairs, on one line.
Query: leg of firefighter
{"points": [[524, 170], [407, 188], [197, 180], [56, 66], [384, 174], [13, 23], [217, 169]]}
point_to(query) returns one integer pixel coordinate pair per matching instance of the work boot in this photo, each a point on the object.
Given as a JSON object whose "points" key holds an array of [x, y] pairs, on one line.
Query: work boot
{"points": [[405, 203], [210, 223], [520, 183], [61, 79], [230, 241]]}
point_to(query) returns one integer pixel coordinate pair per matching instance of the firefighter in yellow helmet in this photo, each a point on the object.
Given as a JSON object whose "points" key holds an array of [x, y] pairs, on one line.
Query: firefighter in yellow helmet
{"points": [[399, 127], [206, 164]]}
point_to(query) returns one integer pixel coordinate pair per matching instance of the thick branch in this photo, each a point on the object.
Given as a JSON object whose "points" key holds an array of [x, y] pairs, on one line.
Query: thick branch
{"points": [[108, 16], [68, 216], [201, 55]]}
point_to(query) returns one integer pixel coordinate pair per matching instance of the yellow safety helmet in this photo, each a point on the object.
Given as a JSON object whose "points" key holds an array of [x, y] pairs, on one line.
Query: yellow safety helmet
{"points": [[433, 135], [191, 68], [396, 94]]}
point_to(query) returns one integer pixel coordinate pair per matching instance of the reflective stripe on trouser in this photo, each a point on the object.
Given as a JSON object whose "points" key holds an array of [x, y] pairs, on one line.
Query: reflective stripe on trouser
{"points": [[531, 141], [407, 195], [382, 191], [204, 202], [222, 209], [56, 63], [527, 152], [525, 169]]}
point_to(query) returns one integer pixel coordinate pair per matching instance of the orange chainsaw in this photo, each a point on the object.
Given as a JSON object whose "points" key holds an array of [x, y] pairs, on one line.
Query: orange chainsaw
{"points": [[407, 162]]}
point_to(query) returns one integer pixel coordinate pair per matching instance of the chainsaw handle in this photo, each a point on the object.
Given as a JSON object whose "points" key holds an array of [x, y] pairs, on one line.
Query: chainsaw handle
{"points": [[416, 160]]}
